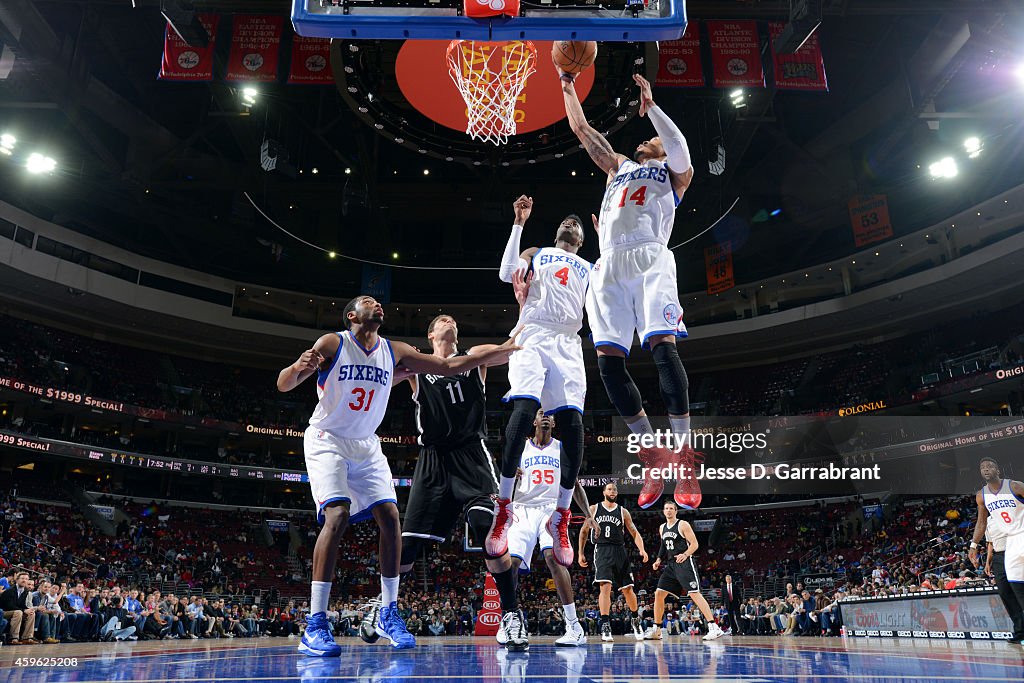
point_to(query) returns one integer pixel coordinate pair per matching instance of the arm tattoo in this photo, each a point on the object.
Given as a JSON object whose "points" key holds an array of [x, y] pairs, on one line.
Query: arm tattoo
{"points": [[599, 149]]}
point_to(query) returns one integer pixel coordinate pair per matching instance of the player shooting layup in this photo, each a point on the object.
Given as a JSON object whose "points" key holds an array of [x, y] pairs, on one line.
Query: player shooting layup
{"points": [[349, 476], [548, 373], [633, 286]]}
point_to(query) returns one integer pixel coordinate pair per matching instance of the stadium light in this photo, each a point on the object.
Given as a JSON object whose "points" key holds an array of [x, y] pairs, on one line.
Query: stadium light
{"points": [[249, 95], [973, 146], [737, 96], [38, 163], [944, 168], [7, 143]]}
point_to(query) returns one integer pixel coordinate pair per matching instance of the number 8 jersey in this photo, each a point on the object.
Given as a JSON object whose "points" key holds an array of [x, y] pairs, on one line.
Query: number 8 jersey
{"points": [[354, 389]]}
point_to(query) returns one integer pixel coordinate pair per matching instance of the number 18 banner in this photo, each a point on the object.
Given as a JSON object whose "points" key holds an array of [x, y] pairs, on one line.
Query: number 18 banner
{"points": [[869, 216]]}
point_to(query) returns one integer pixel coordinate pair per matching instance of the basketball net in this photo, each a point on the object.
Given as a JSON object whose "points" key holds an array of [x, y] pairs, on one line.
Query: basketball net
{"points": [[490, 77]]}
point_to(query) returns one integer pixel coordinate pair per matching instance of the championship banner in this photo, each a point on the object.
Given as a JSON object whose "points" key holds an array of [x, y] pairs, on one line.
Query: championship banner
{"points": [[679, 63], [183, 62], [255, 44], [735, 54], [311, 62], [718, 263], [804, 70], [869, 215]]}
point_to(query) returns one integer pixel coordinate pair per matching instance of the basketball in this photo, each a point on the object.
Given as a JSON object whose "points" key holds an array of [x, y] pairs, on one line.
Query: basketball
{"points": [[573, 56]]}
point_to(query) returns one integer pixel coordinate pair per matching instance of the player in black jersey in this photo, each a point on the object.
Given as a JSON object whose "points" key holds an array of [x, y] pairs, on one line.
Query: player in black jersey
{"points": [[679, 578], [455, 474], [611, 562]]}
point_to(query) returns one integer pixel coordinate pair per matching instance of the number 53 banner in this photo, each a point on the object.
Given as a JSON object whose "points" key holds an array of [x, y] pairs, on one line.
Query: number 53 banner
{"points": [[718, 263], [869, 215]]}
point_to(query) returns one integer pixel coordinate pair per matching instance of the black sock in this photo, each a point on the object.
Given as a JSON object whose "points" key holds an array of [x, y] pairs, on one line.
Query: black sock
{"points": [[506, 583], [634, 615], [606, 619]]}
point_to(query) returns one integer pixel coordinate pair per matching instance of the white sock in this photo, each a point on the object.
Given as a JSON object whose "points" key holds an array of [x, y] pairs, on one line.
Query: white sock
{"points": [[506, 486], [321, 595], [564, 497], [680, 426], [570, 613], [641, 426], [388, 589]]}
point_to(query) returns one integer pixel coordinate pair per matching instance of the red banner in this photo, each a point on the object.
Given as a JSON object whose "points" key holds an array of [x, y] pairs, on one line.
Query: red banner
{"points": [[735, 54], [679, 63], [804, 70], [255, 43], [718, 264], [869, 215], [311, 62], [183, 62]]}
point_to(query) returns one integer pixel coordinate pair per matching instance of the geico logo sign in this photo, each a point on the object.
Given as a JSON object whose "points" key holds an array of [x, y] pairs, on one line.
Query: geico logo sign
{"points": [[980, 635], [491, 592], [872, 633], [1002, 635], [920, 634], [492, 605], [956, 634], [490, 618], [860, 633], [886, 633], [903, 634], [936, 634]]}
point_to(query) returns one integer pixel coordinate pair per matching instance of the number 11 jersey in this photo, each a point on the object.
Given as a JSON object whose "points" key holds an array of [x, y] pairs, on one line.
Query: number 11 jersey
{"points": [[450, 411]]}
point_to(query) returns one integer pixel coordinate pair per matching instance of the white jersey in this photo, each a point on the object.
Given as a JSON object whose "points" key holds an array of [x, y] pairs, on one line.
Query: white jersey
{"points": [[558, 291], [1005, 510], [542, 472], [354, 390], [639, 206]]}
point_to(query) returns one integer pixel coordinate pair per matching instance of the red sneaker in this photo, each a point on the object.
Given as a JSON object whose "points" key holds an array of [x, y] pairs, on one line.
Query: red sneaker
{"points": [[558, 527], [653, 458], [687, 494], [496, 544]]}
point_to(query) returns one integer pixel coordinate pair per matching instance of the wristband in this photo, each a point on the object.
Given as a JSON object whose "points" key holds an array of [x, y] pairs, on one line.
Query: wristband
{"points": [[568, 77], [973, 545]]}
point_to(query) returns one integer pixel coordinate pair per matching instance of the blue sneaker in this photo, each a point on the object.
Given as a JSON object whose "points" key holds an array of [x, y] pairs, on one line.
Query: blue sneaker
{"points": [[391, 626], [317, 641]]}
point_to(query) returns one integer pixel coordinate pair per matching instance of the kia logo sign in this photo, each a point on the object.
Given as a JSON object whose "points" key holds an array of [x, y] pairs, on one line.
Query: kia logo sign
{"points": [[490, 619], [492, 605], [491, 593]]}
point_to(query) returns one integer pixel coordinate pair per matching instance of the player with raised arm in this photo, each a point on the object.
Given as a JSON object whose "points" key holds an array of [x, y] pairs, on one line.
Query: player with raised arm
{"points": [[680, 576], [633, 287], [551, 284], [1001, 510], [611, 561], [348, 473]]}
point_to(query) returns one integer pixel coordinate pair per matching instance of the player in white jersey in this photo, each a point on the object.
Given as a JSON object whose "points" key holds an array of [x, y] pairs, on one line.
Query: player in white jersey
{"points": [[348, 474], [1001, 513], [535, 500], [551, 286], [633, 287]]}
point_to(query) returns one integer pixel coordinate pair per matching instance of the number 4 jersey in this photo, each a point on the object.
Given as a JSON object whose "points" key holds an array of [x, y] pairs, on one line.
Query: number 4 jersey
{"points": [[354, 389], [558, 290], [538, 486]]}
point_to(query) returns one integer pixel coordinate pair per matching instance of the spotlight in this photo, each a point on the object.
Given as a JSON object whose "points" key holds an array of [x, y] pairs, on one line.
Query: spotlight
{"points": [[394, 255], [331, 254], [736, 97], [249, 95], [7, 143], [776, 212], [573, 173], [348, 171], [37, 163], [426, 171], [944, 168], [973, 147], [315, 170]]}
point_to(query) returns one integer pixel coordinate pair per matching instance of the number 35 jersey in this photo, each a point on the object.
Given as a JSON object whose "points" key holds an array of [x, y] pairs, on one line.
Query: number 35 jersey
{"points": [[542, 471], [558, 291], [354, 389]]}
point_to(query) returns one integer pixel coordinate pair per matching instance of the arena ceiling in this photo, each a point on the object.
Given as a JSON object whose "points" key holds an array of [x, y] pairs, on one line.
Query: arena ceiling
{"points": [[161, 168]]}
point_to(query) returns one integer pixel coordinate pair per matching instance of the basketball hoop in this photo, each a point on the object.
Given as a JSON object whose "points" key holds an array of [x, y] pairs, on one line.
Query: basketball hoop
{"points": [[490, 77]]}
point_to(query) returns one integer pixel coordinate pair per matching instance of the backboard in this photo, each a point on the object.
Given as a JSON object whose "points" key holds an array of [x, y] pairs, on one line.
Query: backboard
{"points": [[618, 20]]}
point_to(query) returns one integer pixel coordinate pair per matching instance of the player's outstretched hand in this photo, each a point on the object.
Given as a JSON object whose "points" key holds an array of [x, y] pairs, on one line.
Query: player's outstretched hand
{"points": [[523, 207], [505, 350], [402, 373], [521, 286], [311, 359], [646, 98]]}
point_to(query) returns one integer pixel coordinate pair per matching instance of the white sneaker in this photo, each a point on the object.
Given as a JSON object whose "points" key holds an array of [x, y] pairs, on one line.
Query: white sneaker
{"points": [[638, 631], [652, 633], [574, 636], [501, 636], [516, 637], [714, 631], [606, 632]]}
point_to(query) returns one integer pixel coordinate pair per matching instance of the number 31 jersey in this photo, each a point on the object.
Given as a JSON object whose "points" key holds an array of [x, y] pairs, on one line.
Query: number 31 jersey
{"points": [[558, 290], [354, 389], [542, 472]]}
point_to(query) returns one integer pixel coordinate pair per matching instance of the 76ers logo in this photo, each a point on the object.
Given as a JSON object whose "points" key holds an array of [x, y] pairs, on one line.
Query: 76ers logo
{"points": [[316, 63], [496, 5], [252, 61], [188, 59], [671, 314]]}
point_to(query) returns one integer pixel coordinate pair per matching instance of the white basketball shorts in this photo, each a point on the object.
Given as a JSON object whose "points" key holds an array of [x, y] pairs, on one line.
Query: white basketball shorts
{"points": [[529, 527], [549, 369], [633, 289], [353, 470], [1014, 558]]}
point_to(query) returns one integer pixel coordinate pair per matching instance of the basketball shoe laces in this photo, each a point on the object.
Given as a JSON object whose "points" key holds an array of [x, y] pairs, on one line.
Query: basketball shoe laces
{"points": [[653, 458], [499, 530], [687, 492], [564, 553]]}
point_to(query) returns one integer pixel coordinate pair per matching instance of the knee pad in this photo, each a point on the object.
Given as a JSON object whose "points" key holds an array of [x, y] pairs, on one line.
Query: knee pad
{"points": [[622, 392], [672, 380]]}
